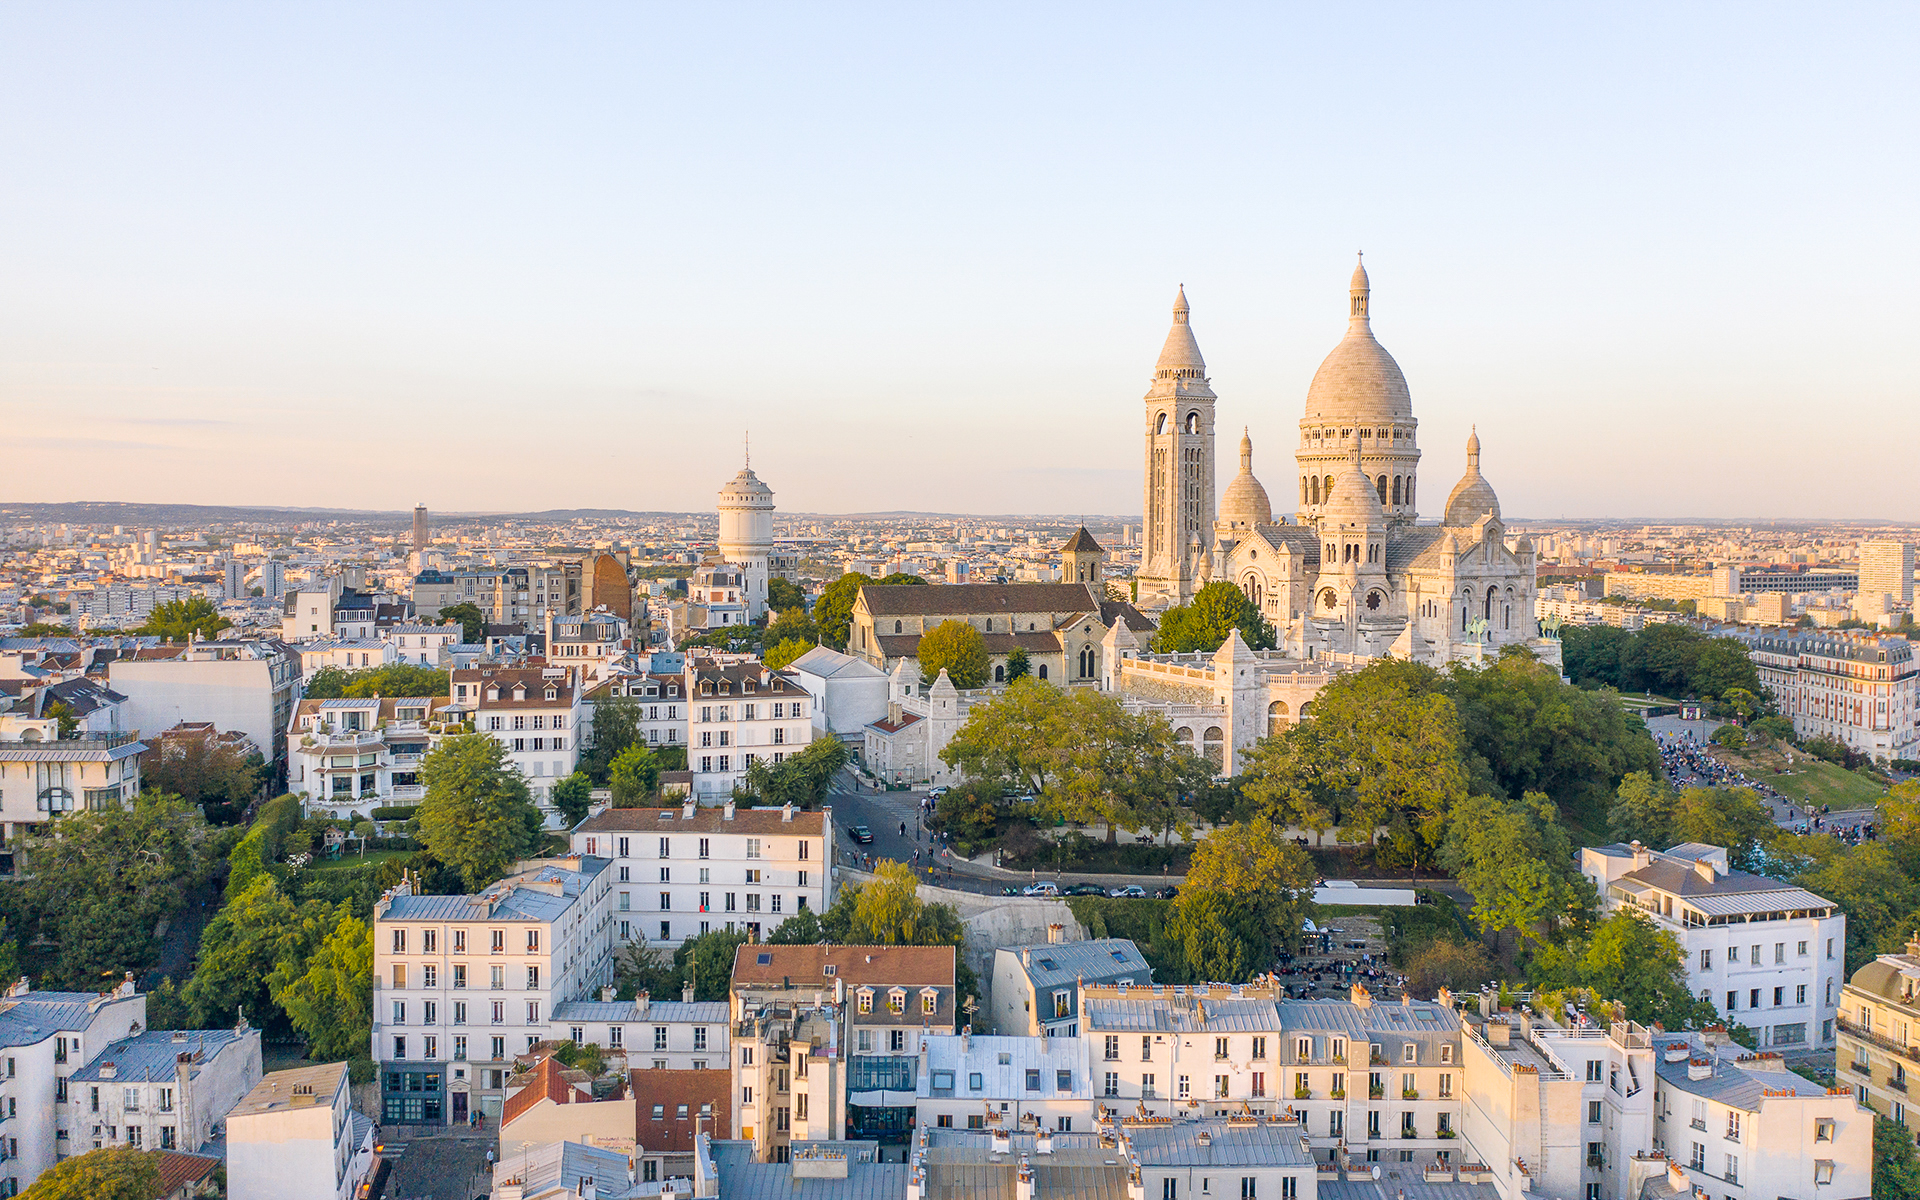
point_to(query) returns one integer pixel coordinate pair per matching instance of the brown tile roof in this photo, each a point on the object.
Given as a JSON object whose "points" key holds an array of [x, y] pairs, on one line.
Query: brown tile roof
{"points": [[668, 1091], [963, 599], [908, 966], [1136, 620], [506, 678], [759, 822], [549, 1082], [1082, 540], [889, 725], [178, 1171], [907, 645]]}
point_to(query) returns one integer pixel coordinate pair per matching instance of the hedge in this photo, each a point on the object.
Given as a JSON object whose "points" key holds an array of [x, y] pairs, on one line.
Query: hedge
{"points": [[395, 812]]}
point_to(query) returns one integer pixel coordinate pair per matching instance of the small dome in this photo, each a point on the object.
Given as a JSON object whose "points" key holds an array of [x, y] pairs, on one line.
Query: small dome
{"points": [[1244, 504], [1181, 354], [1359, 381], [745, 486], [1353, 499], [1473, 497]]}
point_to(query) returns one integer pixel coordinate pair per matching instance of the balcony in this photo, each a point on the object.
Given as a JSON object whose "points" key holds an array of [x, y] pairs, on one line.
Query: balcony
{"points": [[1861, 1067], [1873, 1039], [1897, 1083], [1301, 1093], [1338, 1093], [1410, 1094], [1374, 1093]]}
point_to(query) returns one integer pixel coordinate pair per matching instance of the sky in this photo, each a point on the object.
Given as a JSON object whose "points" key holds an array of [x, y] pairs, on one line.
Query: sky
{"points": [[518, 257]]}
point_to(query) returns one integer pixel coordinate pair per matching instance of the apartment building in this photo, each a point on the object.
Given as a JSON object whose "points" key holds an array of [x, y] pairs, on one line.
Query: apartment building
{"points": [[46, 1037], [1886, 569], [347, 756], [462, 984], [345, 654], [296, 1136], [1381, 1081], [590, 642], [789, 1074], [1863, 689], [882, 999], [966, 1082], [535, 712], [662, 702], [1879, 1046], [654, 1035], [737, 712], [422, 645], [516, 595], [248, 686], [1036, 989], [679, 872], [1768, 956], [160, 1089]]}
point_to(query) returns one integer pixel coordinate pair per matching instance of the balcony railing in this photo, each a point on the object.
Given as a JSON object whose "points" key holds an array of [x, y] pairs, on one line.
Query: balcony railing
{"points": [[1873, 1039], [1861, 1067]]}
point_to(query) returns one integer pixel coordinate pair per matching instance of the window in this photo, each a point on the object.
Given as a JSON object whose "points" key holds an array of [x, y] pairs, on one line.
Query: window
{"points": [[1169, 1189], [1593, 1112], [1033, 1079], [929, 1000], [1446, 1086], [1706, 960], [1409, 1052], [1249, 1187], [533, 978], [1733, 1125], [896, 1040], [1219, 1048], [1113, 1047], [1062, 1004], [659, 1037], [1146, 1048], [1220, 1085]]}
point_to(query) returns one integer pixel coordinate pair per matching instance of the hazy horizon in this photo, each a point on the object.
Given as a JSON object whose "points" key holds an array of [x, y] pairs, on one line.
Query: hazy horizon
{"points": [[359, 256]]}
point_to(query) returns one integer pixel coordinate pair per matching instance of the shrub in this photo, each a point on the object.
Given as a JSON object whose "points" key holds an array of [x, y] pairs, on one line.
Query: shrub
{"points": [[395, 812]]}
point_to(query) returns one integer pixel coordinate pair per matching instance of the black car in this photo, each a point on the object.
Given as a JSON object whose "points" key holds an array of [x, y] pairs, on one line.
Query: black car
{"points": [[1084, 889], [1166, 893], [861, 834]]}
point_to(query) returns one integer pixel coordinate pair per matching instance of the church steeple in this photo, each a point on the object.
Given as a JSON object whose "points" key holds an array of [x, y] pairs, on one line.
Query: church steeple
{"points": [[1358, 293], [1180, 357], [1179, 484]]}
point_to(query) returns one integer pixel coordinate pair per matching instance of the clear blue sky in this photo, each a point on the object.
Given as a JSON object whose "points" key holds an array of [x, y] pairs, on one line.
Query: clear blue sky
{"points": [[530, 256]]}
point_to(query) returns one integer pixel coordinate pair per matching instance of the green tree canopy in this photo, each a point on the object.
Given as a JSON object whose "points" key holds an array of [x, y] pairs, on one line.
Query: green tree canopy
{"points": [[889, 912], [783, 594], [791, 625], [43, 629], [394, 679], [1216, 610], [476, 817], [780, 655], [634, 777], [473, 622], [115, 1173], [902, 577], [102, 880], [258, 933], [957, 648], [1254, 863], [1018, 666], [1656, 815], [802, 780], [1218, 938], [216, 776], [573, 796], [616, 726], [801, 929], [178, 620], [833, 612], [1631, 961], [1673, 660], [706, 961], [329, 997], [1517, 862]]}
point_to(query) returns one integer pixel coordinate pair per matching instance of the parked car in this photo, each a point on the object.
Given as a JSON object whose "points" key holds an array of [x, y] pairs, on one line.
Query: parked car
{"points": [[1166, 893], [1132, 891], [861, 834], [1085, 889], [936, 793], [1045, 887]]}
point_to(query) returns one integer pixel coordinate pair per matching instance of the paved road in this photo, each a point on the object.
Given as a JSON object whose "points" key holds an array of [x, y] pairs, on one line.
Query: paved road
{"points": [[443, 1165]]}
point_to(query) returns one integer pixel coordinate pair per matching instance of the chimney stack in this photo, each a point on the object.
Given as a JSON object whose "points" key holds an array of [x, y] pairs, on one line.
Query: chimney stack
{"points": [[726, 814]]}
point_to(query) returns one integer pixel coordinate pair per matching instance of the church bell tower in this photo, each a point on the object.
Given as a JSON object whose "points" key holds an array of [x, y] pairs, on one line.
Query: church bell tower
{"points": [[1179, 496]]}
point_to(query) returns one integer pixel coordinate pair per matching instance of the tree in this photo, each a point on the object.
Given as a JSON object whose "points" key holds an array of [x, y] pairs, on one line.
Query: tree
{"points": [[889, 912], [1252, 862], [179, 620], [329, 998], [1017, 664], [1871, 887], [901, 577], [706, 961], [969, 816], [66, 724], [255, 935], [780, 655], [1517, 863], [1461, 966], [116, 1173], [473, 622], [783, 594], [43, 629], [958, 648], [216, 776], [477, 817], [1896, 1173], [394, 679], [802, 780], [791, 625], [1731, 736], [573, 796], [1649, 811], [1217, 609], [616, 725], [801, 929], [1219, 939], [634, 777], [101, 881], [833, 612]]}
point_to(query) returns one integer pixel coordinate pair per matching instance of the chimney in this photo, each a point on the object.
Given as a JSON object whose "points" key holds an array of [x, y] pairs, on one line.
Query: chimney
{"points": [[1043, 1142], [1056, 933], [686, 810], [640, 1002], [1913, 948], [1359, 996], [1704, 869], [1676, 1052], [607, 994], [1641, 856], [726, 814], [508, 1191], [966, 1038], [1699, 1068], [1002, 1144], [1026, 956], [21, 987], [1023, 1181], [786, 811], [686, 994], [1445, 998]]}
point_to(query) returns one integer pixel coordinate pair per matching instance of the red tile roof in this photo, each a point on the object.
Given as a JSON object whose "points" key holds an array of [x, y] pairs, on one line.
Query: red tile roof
{"points": [[180, 1171], [549, 1082], [670, 1091]]}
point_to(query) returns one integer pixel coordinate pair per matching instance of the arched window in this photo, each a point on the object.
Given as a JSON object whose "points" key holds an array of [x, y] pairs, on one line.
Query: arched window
{"points": [[1316, 489], [1491, 593], [1303, 490], [1043, 670], [1213, 745], [1328, 490], [1193, 422], [1506, 616], [1276, 718], [1380, 485], [989, 624], [1409, 491], [898, 627], [1086, 662], [1396, 490], [999, 673], [1160, 426], [1251, 586]]}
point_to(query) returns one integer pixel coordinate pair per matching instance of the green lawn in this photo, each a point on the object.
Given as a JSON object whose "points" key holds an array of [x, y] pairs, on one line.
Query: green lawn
{"points": [[1809, 780], [357, 860]]}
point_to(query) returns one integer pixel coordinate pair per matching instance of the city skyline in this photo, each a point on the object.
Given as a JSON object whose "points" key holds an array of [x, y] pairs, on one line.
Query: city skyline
{"points": [[1641, 252]]}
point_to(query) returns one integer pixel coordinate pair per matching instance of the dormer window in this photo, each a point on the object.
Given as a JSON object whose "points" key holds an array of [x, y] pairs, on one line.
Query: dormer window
{"points": [[553, 693], [747, 687], [493, 693], [863, 1000], [706, 687], [897, 1000]]}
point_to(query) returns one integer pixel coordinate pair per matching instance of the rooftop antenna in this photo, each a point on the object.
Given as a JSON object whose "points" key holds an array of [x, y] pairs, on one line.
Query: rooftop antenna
{"points": [[747, 441]]}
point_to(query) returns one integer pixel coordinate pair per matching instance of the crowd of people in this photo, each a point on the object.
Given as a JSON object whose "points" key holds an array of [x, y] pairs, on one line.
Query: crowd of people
{"points": [[1689, 764]]}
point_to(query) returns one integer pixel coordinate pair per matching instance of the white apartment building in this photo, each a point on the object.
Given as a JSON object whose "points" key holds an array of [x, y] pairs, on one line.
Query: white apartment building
{"points": [[589, 642], [348, 756], [1035, 989], [516, 595], [963, 1079], [345, 653], [1886, 569], [1768, 956], [45, 1037], [680, 872], [655, 1035], [245, 686], [160, 1089], [462, 984], [1863, 689], [421, 645], [295, 1136], [737, 712], [1879, 1051], [43, 774], [535, 712]]}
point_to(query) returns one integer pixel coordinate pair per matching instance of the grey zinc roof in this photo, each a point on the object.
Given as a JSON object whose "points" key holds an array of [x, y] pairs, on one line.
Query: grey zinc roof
{"points": [[743, 1179], [1409, 544], [151, 1056], [1276, 1144], [31, 1018], [1005, 1080], [1071, 1172], [708, 1012], [1730, 1083], [1403, 1181], [1052, 964], [69, 751], [1777, 900], [1181, 1014]]}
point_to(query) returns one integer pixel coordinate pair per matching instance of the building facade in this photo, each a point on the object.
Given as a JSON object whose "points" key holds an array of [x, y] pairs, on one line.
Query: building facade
{"points": [[737, 712], [535, 713], [1863, 689], [296, 1136], [348, 756]]}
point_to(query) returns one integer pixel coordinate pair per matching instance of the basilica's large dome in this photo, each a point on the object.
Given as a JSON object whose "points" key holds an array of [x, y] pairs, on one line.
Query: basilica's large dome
{"points": [[1359, 381]]}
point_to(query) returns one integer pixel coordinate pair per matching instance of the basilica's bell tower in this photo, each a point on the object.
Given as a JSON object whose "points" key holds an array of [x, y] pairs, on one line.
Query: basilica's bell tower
{"points": [[1179, 467]]}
